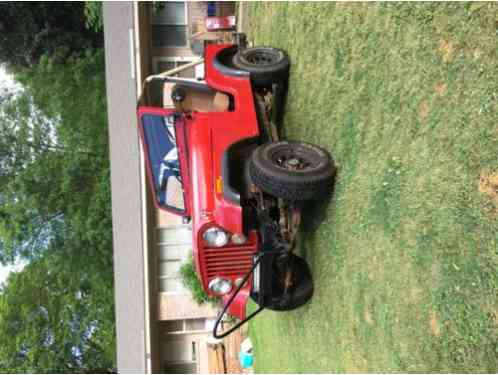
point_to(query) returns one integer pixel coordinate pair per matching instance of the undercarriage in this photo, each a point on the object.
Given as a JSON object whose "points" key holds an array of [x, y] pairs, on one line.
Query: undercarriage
{"points": [[281, 280]]}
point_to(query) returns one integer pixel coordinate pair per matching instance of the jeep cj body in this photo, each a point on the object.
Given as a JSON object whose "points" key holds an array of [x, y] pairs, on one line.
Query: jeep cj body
{"points": [[223, 168]]}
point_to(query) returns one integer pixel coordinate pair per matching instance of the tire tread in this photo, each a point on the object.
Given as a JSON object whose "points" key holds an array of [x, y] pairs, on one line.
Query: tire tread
{"points": [[291, 187]]}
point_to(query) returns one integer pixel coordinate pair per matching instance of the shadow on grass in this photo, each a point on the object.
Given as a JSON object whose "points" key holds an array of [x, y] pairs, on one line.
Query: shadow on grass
{"points": [[314, 213]]}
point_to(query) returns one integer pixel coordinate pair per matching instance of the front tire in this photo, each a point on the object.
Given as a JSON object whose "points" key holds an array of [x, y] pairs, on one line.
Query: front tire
{"points": [[301, 291], [266, 65], [293, 171]]}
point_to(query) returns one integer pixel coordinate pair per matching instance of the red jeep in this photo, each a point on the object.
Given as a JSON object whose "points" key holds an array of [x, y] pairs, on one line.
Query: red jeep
{"points": [[223, 168]]}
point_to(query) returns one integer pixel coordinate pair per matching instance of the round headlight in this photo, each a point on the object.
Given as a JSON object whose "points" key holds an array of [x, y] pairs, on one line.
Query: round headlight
{"points": [[215, 237], [220, 285]]}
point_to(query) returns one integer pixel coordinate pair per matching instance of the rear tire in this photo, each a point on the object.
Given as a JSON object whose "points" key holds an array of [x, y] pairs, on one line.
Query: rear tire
{"points": [[293, 171], [266, 65]]}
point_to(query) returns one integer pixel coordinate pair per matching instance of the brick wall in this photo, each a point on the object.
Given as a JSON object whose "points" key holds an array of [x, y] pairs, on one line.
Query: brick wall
{"points": [[181, 306]]}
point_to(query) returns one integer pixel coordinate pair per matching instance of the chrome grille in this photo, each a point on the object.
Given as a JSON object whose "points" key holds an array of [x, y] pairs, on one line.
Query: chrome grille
{"points": [[228, 261]]}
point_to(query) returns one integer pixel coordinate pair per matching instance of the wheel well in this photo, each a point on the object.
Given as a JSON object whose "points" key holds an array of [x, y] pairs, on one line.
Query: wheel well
{"points": [[223, 63], [236, 180]]}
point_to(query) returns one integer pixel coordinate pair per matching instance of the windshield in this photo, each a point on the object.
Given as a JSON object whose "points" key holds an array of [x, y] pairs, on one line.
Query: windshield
{"points": [[162, 150]]}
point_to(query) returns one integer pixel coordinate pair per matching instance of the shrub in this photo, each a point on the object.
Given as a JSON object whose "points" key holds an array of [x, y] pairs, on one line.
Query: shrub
{"points": [[192, 283]]}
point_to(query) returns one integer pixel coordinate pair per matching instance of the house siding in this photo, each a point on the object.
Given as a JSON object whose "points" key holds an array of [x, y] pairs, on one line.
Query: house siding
{"points": [[181, 306]]}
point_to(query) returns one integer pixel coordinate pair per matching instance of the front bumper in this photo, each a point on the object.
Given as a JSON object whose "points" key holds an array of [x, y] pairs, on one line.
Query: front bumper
{"points": [[259, 287]]}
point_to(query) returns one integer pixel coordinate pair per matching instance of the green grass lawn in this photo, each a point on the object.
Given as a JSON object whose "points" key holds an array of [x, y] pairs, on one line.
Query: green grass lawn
{"points": [[405, 254]]}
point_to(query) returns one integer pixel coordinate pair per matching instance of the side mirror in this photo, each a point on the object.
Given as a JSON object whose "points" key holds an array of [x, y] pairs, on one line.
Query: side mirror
{"points": [[178, 94]]}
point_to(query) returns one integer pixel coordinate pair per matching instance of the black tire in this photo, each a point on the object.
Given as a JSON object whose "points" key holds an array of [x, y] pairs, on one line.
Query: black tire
{"points": [[266, 65], [302, 290], [310, 178]]}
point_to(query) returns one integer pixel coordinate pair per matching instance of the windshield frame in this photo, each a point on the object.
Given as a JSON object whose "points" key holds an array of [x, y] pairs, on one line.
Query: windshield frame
{"points": [[179, 136]]}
